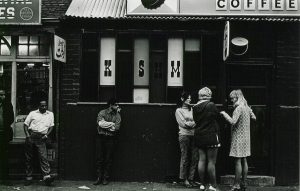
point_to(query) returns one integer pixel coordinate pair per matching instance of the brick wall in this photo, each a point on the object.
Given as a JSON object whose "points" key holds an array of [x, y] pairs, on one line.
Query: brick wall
{"points": [[70, 72], [54, 8]]}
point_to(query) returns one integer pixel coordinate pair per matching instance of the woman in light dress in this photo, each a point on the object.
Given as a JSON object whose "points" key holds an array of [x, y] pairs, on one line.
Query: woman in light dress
{"points": [[240, 137]]}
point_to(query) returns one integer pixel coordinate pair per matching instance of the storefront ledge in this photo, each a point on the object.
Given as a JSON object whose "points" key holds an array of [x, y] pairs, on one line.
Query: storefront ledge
{"points": [[104, 103], [143, 104], [253, 180]]}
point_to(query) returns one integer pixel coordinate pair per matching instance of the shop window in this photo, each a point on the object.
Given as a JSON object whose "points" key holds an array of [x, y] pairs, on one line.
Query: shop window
{"points": [[5, 78], [141, 68], [89, 76], [32, 87], [124, 68], [192, 67], [158, 68], [5, 45], [33, 46], [212, 60]]}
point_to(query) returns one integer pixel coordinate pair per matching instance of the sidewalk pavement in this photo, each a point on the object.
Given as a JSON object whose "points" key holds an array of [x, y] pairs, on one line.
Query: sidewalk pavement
{"points": [[123, 186]]}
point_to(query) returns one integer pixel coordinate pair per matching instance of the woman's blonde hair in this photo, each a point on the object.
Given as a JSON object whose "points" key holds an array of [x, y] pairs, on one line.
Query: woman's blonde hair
{"points": [[240, 97]]}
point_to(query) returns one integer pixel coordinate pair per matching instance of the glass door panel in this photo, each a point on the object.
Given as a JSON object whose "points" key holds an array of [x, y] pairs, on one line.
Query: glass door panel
{"points": [[32, 87]]}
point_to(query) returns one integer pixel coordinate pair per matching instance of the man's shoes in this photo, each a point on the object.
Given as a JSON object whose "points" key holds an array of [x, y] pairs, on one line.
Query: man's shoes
{"points": [[48, 180], [105, 181], [27, 182], [98, 181], [194, 184]]}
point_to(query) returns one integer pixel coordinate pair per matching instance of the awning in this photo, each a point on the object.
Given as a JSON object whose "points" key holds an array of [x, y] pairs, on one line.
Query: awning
{"points": [[97, 8], [116, 9]]}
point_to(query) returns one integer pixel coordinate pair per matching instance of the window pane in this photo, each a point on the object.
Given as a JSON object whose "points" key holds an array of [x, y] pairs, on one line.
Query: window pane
{"points": [[44, 40], [4, 50], [44, 50], [23, 50], [33, 50], [5, 45], [23, 39], [34, 40], [7, 38], [192, 45]]}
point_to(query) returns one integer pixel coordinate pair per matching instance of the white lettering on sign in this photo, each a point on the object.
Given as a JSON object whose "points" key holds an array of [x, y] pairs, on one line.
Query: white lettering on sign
{"points": [[7, 12], [262, 5]]}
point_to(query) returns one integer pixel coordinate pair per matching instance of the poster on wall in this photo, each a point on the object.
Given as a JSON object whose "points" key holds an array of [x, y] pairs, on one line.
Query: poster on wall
{"points": [[107, 61], [141, 95], [175, 62], [60, 49], [141, 62]]}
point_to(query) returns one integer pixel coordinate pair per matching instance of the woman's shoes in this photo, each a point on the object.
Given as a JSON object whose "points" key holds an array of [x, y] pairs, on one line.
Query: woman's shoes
{"points": [[235, 188], [202, 187], [187, 184], [211, 188], [193, 183]]}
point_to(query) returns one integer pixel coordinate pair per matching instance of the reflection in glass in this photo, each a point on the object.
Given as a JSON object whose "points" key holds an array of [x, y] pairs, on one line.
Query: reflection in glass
{"points": [[32, 86], [5, 77], [23, 39], [34, 40], [4, 50], [22, 50], [33, 50], [5, 45]]}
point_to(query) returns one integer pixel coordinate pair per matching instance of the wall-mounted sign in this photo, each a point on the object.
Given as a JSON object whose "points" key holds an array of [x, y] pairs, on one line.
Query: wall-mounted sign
{"points": [[226, 42], [214, 7], [152, 7], [141, 95], [141, 62], [108, 61], [60, 49], [20, 12], [240, 7], [175, 62]]}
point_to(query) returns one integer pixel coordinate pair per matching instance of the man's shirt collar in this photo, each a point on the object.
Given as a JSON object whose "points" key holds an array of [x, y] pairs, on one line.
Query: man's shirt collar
{"points": [[38, 111]]}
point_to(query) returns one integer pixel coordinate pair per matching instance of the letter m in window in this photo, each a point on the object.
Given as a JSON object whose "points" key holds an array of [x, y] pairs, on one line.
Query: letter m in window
{"points": [[107, 71], [175, 70]]}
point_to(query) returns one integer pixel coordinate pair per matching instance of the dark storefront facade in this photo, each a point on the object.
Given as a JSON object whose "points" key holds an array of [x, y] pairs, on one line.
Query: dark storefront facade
{"points": [[133, 56], [29, 71], [146, 61]]}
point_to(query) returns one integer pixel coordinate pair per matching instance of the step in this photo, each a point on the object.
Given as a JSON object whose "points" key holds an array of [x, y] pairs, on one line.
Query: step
{"points": [[252, 180]]}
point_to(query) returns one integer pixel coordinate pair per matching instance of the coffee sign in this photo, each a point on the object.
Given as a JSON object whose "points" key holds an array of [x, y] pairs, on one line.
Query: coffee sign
{"points": [[20, 12]]}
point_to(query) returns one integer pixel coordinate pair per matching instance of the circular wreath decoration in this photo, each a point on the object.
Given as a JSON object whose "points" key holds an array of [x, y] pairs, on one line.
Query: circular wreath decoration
{"points": [[152, 4]]}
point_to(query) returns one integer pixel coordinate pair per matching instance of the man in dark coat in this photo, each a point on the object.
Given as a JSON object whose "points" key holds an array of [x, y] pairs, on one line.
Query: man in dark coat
{"points": [[6, 135]]}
